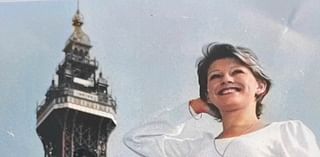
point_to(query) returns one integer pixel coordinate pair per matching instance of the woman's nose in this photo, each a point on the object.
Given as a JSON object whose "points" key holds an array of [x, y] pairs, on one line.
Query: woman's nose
{"points": [[227, 79]]}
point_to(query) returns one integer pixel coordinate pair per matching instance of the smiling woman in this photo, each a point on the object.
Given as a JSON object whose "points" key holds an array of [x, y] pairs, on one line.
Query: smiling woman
{"points": [[232, 87]]}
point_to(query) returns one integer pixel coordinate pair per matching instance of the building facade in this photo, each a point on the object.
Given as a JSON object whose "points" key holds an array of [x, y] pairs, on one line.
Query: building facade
{"points": [[78, 113]]}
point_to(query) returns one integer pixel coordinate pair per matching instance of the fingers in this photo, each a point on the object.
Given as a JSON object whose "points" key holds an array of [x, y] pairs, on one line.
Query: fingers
{"points": [[199, 106]]}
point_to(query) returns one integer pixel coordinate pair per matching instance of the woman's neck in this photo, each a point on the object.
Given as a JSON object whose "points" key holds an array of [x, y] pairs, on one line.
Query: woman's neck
{"points": [[237, 123]]}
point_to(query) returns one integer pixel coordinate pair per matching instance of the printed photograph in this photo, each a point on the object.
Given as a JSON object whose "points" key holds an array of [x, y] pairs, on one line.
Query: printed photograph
{"points": [[145, 78]]}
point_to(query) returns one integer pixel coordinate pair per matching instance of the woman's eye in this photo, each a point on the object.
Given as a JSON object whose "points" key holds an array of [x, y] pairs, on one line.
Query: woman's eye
{"points": [[238, 71], [214, 76]]}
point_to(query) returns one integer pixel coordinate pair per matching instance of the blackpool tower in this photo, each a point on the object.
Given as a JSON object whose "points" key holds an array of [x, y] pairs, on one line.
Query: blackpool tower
{"points": [[78, 113]]}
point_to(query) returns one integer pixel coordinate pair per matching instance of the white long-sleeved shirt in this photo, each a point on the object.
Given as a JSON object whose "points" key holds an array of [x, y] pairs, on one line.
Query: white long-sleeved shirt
{"points": [[160, 138]]}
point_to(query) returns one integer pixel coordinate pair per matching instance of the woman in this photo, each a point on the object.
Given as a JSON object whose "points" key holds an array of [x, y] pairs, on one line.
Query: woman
{"points": [[232, 87]]}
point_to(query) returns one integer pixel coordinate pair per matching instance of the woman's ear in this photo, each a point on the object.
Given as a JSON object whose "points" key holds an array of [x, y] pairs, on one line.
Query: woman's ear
{"points": [[208, 99], [262, 86]]}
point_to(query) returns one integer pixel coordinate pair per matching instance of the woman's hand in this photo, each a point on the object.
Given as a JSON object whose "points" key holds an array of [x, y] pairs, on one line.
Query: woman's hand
{"points": [[199, 106]]}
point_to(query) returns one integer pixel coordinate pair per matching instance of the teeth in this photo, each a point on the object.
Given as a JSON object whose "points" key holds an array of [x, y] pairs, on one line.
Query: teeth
{"points": [[227, 91]]}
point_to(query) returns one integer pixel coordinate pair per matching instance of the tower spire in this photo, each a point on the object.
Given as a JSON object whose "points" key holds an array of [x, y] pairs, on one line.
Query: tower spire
{"points": [[78, 37], [78, 5]]}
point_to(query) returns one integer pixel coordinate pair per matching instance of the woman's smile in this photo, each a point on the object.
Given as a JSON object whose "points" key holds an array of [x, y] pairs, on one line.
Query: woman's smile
{"points": [[229, 89]]}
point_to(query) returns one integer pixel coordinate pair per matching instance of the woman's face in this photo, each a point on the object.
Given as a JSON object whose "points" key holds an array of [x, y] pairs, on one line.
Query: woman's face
{"points": [[231, 85]]}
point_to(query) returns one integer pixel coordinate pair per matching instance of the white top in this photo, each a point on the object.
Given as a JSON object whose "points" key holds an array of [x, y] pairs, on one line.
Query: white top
{"points": [[159, 138]]}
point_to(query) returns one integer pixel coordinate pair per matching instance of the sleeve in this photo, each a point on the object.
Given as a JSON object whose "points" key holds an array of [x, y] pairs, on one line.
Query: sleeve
{"points": [[159, 137], [298, 140]]}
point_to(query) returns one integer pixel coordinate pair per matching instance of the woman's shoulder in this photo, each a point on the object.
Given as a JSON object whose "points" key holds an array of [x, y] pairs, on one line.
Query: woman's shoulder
{"points": [[290, 125], [297, 139], [293, 129]]}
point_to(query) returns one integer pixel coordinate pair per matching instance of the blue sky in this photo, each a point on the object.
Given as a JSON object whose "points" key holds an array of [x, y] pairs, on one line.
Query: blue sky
{"points": [[148, 49]]}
